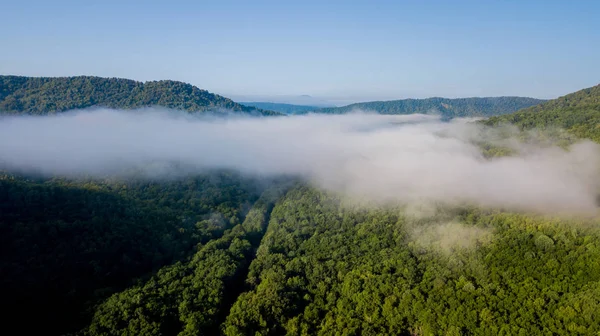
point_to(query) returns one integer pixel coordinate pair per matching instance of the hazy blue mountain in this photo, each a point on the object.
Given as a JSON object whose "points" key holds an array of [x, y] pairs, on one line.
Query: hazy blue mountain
{"points": [[48, 95], [280, 107], [448, 108], [303, 100]]}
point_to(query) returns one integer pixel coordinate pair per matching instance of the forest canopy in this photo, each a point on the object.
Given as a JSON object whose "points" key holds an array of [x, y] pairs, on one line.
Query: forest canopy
{"points": [[445, 107], [578, 113], [49, 95]]}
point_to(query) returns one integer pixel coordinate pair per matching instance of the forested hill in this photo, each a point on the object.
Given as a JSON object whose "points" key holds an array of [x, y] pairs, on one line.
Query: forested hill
{"points": [[578, 113], [48, 95], [447, 108]]}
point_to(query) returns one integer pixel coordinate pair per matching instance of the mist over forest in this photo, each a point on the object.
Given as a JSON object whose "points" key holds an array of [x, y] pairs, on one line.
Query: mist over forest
{"points": [[377, 158], [157, 208]]}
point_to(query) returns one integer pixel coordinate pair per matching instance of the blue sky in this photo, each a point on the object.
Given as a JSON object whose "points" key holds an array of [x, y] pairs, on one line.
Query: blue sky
{"points": [[336, 50]]}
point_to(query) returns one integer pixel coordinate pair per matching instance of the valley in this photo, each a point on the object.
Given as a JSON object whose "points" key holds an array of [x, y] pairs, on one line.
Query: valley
{"points": [[220, 251]]}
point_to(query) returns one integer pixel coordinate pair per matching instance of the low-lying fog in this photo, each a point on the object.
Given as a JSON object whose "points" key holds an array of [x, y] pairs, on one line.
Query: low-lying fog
{"points": [[378, 157]]}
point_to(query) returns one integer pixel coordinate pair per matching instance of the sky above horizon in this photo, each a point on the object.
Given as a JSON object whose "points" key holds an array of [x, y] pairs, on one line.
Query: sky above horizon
{"points": [[337, 51]]}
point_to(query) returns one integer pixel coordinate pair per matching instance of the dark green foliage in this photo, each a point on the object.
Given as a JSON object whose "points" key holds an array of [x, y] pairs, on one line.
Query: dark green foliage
{"points": [[578, 113], [189, 298], [445, 107], [283, 108], [65, 245], [49, 95]]}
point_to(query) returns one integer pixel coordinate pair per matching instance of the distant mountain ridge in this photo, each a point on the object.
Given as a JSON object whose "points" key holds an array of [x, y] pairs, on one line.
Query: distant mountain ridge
{"points": [[49, 95], [302, 100], [281, 107], [446, 107]]}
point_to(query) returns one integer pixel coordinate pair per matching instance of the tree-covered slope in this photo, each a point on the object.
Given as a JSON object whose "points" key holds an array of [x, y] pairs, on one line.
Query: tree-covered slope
{"points": [[48, 95], [65, 245], [324, 268], [578, 113], [447, 108], [191, 297], [280, 107]]}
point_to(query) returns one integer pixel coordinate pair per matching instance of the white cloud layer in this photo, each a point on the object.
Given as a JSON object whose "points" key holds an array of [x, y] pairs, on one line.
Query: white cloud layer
{"points": [[411, 158]]}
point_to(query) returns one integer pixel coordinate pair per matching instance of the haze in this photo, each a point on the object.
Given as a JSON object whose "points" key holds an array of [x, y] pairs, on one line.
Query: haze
{"points": [[380, 158]]}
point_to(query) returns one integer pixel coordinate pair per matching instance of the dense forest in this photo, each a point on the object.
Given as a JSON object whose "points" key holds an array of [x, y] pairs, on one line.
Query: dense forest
{"points": [[49, 95], [325, 268], [68, 243], [222, 253], [445, 107], [212, 255], [578, 113], [279, 107]]}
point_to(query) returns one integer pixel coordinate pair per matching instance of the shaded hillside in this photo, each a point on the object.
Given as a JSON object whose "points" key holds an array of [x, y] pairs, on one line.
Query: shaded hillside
{"points": [[578, 113], [194, 296], [447, 108], [280, 107], [66, 245], [48, 95]]}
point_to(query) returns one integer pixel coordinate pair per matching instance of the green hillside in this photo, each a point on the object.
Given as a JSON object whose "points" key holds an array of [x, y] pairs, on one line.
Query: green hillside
{"points": [[578, 113], [447, 108], [49, 95], [66, 245]]}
